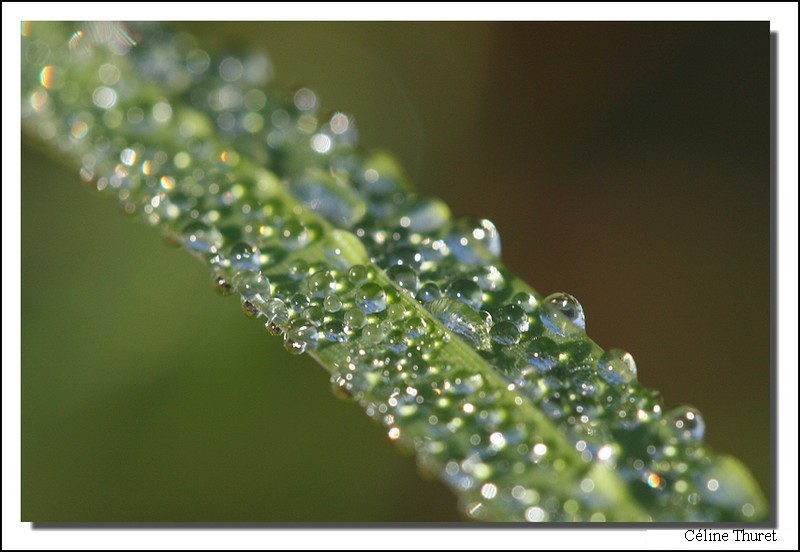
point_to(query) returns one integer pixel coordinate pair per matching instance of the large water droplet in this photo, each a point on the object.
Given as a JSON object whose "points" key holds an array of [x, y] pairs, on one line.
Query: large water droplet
{"points": [[474, 241], [467, 292], [617, 366], [562, 314], [202, 238], [329, 196], [686, 424], [370, 298]]}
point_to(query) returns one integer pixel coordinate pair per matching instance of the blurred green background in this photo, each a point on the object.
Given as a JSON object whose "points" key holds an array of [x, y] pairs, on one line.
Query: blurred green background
{"points": [[625, 163]]}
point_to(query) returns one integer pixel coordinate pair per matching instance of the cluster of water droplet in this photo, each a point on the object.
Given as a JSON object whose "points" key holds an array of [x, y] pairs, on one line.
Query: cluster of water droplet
{"points": [[272, 195]]}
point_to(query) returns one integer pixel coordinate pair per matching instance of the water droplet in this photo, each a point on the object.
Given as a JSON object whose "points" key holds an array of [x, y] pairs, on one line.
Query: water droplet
{"points": [[221, 284], [515, 315], [332, 303], [245, 256], [300, 335], [524, 300], [253, 287], [300, 302], [686, 424], [617, 366], [424, 215], [355, 319], [295, 235], [542, 353], [461, 319], [202, 238], [467, 292], [334, 331], [321, 284], [277, 316], [298, 269], [381, 175], [474, 241], [505, 333], [315, 314], [489, 278], [429, 292], [373, 333], [395, 312], [416, 327], [341, 387], [370, 298], [358, 274], [562, 314], [403, 276], [329, 196], [407, 256]]}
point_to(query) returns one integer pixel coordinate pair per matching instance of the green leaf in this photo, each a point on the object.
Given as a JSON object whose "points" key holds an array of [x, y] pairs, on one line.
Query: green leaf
{"points": [[497, 390]]}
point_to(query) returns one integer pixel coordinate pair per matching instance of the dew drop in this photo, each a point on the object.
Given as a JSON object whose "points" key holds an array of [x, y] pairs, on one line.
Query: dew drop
{"points": [[334, 331], [489, 278], [355, 319], [542, 353], [524, 300], [505, 333], [467, 292], [370, 298], [202, 238], [686, 424], [404, 276], [300, 335], [332, 303], [321, 284], [253, 286], [300, 302], [461, 319], [562, 314], [358, 274], [428, 292], [424, 215], [295, 235], [341, 388], [474, 241], [515, 315], [221, 284], [416, 327], [245, 256], [329, 196], [617, 366], [373, 333]]}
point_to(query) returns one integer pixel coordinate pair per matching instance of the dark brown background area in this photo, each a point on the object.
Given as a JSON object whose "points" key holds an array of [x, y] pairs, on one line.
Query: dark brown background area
{"points": [[625, 163]]}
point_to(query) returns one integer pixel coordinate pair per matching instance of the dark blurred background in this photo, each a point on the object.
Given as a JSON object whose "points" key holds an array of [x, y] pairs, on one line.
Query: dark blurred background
{"points": [[625, 163]]}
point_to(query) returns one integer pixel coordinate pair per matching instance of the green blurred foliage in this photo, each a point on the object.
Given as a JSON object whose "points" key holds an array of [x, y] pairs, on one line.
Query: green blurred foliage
{"points": [[627, 164]]}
